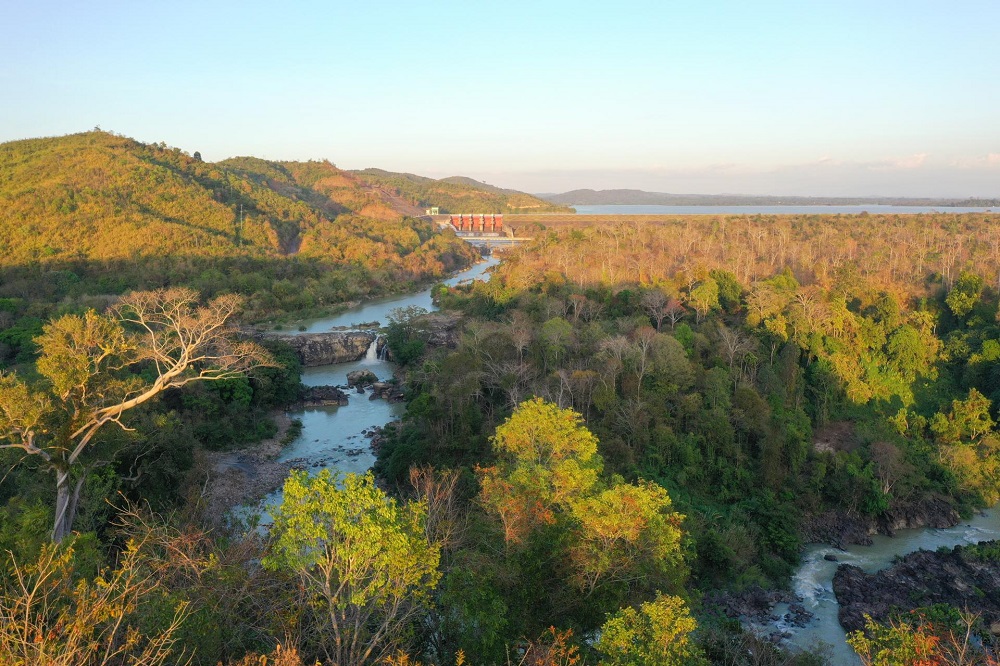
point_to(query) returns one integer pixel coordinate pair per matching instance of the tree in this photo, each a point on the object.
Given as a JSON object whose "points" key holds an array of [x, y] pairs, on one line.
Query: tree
{"points": [[96, 368], [704, 297], [547, 460], [655, 634], [654, 302], [50, 616], [890, 464], [965, 294], [916, 639], [968, 420], [549, 474], [674, 311], [364, 559], [625, 534]]}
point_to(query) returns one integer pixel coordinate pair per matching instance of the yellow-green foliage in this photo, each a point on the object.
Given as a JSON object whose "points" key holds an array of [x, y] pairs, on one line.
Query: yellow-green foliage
{"points": [[51, 615], [363, 558], [657, 633], [100, 196], [457, 195], [96, 213], [549, 474]]}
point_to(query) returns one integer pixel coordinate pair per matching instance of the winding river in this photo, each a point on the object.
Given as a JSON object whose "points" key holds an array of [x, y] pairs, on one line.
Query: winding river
{"points": [[334, 437]]}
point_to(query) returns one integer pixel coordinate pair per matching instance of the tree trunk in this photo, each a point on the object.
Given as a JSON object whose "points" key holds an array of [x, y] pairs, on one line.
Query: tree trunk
{"points": [[67, 500], [61, 526]]}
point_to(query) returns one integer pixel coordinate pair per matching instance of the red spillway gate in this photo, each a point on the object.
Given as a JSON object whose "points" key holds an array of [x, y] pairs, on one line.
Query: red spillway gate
{"points": [[481, 222]]}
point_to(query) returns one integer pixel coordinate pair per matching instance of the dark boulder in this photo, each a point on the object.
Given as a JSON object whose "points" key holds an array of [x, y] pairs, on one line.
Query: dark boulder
{"points": [[361, 378], [324, 395], [966, 577]]}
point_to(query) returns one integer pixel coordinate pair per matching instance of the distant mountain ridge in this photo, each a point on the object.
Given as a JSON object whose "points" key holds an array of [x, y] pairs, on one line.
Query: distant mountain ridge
{"points": [[626, 197], [457, 194]]}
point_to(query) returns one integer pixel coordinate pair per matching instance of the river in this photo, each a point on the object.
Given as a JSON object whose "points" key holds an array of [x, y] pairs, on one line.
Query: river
{"points": [[813, 581], [334, 436]]}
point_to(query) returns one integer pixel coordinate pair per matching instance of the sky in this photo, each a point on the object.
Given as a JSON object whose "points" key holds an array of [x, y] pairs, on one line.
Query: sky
{"points": [[841, 98]]}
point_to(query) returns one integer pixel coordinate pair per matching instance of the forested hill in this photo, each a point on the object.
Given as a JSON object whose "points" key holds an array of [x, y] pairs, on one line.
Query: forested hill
{"points": [[98, 195], [97, 214], [457, 194]]}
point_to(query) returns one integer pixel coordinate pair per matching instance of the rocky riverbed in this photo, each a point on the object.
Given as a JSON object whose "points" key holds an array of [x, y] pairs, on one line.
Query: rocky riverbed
{"points": [[755, 609], [316, 396], [966, 577], [242, 476], [840, 529], [316, 349], [245, 476]]}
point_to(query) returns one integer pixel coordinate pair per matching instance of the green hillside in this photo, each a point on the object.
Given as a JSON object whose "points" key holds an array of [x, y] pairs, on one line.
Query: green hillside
{"points": [[458, 194], [94, 214], [98, 195]]}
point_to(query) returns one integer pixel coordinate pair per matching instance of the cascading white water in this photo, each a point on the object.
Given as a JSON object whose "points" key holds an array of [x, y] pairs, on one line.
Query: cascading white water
{"points": [[383, 351], [372, 353]]}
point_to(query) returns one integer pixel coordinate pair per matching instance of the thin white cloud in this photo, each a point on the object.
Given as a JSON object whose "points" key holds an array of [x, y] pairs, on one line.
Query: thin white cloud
{"points": [[911, 162], [988, 161]]}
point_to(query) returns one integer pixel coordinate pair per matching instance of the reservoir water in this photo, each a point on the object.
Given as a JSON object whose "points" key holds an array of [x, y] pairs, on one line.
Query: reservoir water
{"points": [[773, 210]]}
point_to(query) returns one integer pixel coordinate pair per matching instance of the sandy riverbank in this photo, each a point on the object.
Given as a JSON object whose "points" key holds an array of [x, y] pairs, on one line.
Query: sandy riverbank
{"points": [[243, 476]]}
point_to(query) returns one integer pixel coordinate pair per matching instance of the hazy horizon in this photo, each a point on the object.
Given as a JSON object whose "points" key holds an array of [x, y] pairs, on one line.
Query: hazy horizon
{"points": [[784, 98]]}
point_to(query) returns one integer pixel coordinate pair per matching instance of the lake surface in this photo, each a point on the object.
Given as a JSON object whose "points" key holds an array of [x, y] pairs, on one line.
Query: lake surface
{"points": [[771, 210]]}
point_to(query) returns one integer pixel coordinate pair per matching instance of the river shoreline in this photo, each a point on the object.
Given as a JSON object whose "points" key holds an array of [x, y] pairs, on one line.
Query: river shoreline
{"points": [[232, 478], [813, 580], [340, 426], [840, 529], [965, 577], [294, 321]]}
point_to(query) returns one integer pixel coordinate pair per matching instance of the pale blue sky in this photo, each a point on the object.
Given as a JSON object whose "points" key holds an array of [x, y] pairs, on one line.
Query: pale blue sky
{"points": [[845, 97]]}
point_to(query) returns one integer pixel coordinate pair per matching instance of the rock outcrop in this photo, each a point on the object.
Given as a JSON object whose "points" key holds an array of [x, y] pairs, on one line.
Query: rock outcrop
{"points": [[966, 577], [326, 348], [361, 378], [442, 328], [753, 604], [840, 529], [932, 512], [324, 395], [386, 391]]}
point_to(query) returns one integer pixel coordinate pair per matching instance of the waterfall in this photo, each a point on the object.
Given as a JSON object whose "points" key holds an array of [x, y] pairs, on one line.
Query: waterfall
{"points": [[372, 353], [383, 351]]}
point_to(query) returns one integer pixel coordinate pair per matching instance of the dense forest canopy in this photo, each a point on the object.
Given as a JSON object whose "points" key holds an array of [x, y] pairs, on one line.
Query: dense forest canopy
{"points": [[784, 378], [88, 216], [636, 421]]}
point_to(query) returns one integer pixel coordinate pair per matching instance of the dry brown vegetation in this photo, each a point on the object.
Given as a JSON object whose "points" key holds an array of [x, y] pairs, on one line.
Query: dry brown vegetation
{"points": [[907, 252]]}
